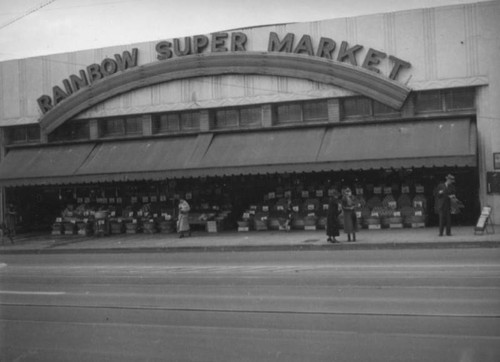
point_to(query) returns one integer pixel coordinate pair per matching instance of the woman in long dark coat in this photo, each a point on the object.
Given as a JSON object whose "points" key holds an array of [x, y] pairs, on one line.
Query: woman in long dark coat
{"points": [[332, 224], [350, 222]]}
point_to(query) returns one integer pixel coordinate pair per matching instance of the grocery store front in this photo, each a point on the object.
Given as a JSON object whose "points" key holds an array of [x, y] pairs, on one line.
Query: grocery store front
{"points": [[231, 176]]}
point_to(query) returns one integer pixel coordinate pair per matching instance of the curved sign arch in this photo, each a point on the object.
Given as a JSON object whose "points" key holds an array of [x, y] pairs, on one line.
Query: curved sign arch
{"points": [[356, 79]]}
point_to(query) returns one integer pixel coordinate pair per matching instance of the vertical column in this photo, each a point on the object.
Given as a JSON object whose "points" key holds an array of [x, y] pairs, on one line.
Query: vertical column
{"points": [[44, 137], [94, 129], [333, 105], [147, 125], [409, 107], [267, 115], [206, 120]]}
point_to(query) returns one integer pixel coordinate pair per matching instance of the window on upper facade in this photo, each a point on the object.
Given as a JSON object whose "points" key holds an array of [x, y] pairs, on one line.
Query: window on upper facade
{"points": [[289, 113], [174, 122], [460, 98], [244, 117], [300, 112], [116, 127], [190, 121], [380, 109], [357, 106], [22, 134], [133, 125], [429, 101], [226, 118], [250, 116], [445, 100], [166, 123], [72, 130], [363, 107], [315, 111]]}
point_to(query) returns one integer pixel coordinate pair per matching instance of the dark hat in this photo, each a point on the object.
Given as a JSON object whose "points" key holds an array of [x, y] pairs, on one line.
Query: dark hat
{"points": [[450, 177]]}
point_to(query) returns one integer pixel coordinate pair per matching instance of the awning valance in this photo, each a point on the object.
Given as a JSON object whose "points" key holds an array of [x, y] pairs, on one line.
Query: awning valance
{"points": [[329, 148]]}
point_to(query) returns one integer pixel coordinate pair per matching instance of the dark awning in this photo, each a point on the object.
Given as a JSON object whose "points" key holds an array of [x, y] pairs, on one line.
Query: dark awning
{"points": [[43, 165], [339, 147]]}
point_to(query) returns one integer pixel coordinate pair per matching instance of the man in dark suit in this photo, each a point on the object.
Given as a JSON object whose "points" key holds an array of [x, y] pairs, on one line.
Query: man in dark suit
{"points": [[444, 195]]}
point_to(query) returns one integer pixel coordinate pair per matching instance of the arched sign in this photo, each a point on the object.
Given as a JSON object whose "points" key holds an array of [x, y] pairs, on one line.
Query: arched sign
{"points": [[356, 79]]}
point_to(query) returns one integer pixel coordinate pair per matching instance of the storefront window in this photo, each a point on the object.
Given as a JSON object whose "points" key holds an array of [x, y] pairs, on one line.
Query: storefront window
{"points": [[73, 130], [356, 106], [315, 111]]}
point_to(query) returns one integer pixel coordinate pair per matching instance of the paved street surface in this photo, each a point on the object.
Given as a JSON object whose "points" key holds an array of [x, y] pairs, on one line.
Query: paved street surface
{"points": [[310, 305]]}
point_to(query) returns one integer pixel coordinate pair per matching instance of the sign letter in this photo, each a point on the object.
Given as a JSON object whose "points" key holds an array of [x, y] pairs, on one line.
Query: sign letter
{"points": [[127, 60], [398, 64], [94, 71], [326, 48], [45, 103], [304, 46], [219, 42], [238, 42], [345, 52], [200, 42], [275, 45], [163, 50], [373, 58]]}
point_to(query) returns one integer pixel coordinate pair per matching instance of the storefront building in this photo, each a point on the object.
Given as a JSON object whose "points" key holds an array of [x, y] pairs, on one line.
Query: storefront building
{"points": [[238, 121]]}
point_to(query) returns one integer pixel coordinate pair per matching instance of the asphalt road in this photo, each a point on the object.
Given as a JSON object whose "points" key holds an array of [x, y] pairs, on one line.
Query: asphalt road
{"points": [[387, 305]]}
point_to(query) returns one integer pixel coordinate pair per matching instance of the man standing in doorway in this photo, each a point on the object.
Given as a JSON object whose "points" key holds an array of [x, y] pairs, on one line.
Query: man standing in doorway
{"points": [[444, 196]]}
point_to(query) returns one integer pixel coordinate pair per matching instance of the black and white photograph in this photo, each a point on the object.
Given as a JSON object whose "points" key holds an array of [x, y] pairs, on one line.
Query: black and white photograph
{"points": [[250, 180]]}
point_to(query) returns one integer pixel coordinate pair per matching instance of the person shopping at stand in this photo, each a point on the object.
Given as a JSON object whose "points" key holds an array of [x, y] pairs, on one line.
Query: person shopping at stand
{"points": [[8, 227], [445, 200], [332, 222], [350, 222], [183, 221]]}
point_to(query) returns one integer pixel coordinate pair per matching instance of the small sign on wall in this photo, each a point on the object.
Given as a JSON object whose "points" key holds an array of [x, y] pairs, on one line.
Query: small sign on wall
{"points": [[496, 161]]}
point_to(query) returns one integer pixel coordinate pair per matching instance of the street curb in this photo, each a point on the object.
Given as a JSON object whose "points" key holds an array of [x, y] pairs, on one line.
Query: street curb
{"points": [[260, 248]]}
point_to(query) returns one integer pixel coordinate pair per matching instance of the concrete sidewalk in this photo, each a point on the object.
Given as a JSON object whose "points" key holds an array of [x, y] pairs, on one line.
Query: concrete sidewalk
{"points": [[463, 237]]}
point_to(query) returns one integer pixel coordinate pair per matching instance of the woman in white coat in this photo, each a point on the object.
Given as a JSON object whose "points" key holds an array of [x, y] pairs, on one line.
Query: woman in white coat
{"points": [[183, 221]]}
